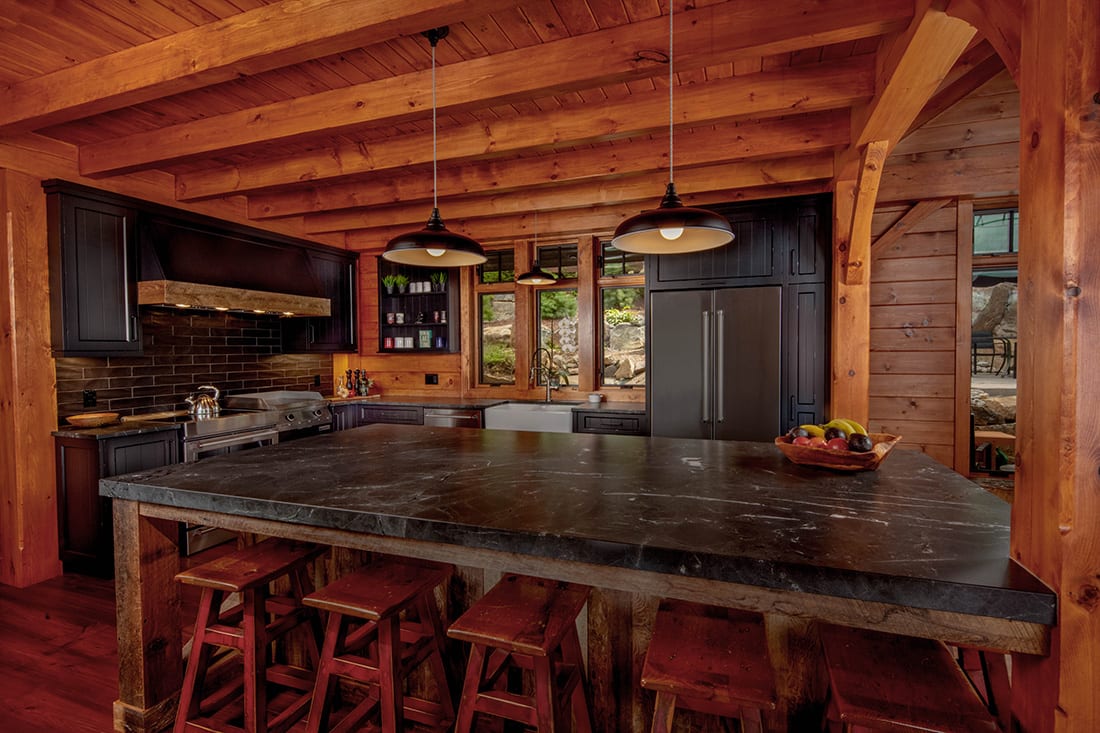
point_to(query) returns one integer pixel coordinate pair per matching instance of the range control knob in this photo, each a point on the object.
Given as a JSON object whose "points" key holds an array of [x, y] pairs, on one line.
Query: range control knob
{"points": [[290, 417]]}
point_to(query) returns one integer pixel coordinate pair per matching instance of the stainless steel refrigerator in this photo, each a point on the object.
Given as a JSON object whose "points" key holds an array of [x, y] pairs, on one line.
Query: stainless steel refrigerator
{"points": [[715, 363]]}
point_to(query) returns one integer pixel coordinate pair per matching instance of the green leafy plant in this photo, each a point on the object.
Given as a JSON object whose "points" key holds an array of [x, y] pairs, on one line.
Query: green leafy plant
{"points": [[616, 316], [401, 280], [439, 277], [389, 281]]}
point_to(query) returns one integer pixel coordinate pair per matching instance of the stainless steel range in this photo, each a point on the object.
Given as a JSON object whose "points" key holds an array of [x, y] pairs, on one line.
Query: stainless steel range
{"points": [[246, 421], [299, 413]]}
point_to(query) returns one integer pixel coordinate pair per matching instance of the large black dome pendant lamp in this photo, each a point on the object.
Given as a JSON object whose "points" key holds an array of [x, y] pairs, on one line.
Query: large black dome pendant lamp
{"points": [[672, 228], [536, 275], [434, 245]]}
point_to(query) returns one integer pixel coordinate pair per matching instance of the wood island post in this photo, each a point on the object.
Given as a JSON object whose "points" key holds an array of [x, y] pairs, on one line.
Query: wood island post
{"points": [[148, 607]]}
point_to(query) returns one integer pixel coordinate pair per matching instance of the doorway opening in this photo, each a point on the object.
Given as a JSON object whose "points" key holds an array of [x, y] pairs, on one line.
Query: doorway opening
{"points": [[994, 343]]}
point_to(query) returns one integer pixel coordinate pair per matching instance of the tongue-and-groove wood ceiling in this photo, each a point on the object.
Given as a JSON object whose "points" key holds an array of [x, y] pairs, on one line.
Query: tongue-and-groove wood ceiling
{"points": [[319, 111]]}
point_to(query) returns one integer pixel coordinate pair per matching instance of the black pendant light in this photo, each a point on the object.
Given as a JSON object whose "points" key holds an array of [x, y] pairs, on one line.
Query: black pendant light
{"points": [[672, 228], [434, 245], [536, 275]]}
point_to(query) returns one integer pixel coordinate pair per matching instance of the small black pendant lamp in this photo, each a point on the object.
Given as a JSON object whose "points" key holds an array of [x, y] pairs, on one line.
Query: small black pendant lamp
{"points": [[672, 228], [536, 275], [434, 245]]}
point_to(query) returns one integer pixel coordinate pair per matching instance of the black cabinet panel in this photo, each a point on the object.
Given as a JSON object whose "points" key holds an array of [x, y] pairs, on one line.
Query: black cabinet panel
{"points": [[391, 414], [608, 422], [84, 521], [93, 285], [345, 417], [807, 365], [751, 254], [335, 274]]}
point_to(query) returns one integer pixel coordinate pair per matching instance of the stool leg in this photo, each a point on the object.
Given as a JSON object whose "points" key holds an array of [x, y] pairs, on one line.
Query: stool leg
{"points": [[389, 662], [190, 693], [325, 686], [663, 712], [571, 654], [545, 695], [299, 590], [429, 616], [475, 670], [255, 661], [751, 720]]}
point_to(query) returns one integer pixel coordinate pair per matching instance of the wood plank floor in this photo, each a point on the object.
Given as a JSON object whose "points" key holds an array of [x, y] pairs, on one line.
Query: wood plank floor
{"points": [[60, 659]]}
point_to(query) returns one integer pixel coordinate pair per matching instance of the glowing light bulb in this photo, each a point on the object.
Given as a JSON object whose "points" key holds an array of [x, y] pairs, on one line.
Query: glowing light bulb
{"points": [[671, 232], [436, 252]]}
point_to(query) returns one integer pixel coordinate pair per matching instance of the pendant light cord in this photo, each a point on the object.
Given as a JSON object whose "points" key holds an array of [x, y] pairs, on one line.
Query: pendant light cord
{"points": [[670, 4], [435, 174]]}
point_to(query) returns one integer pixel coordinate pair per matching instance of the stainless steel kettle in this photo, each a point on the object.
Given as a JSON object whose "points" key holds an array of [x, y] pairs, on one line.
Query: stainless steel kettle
{"points": [[204, 405]]}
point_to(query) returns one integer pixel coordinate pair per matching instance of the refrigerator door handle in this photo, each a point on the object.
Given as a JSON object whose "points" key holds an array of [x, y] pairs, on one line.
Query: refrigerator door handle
{"points": [[721, 375], [706, 367]]}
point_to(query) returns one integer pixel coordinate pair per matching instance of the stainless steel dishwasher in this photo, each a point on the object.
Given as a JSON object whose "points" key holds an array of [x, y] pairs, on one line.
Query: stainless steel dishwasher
{"points": [[452, 418]]}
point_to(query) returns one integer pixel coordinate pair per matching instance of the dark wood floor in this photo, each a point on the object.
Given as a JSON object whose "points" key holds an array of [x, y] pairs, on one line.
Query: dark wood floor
{"points": [[59, 667]]}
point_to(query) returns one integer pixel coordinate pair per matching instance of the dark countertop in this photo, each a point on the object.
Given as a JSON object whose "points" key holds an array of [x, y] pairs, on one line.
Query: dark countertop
{"points": [[478, 403], [912, 533], [114, 430]]}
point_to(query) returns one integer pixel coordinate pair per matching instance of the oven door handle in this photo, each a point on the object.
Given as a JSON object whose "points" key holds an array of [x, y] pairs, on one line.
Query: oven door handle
{"points": [[221, 441]]}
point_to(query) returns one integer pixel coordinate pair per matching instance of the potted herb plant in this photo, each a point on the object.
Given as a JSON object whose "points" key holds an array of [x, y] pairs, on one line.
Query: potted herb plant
{"points": [[389, 281], [402, 282], [439, 280]]}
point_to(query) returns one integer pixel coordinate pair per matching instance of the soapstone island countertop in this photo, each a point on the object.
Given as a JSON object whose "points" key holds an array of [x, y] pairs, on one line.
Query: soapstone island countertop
{"points": [[912, 535]]}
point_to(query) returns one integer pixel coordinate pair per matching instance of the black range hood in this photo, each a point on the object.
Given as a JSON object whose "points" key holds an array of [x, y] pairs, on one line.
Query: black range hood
{"points": [[189, 265]]}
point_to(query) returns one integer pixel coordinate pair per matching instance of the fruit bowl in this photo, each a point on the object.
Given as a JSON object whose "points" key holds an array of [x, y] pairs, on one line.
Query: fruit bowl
{"points": [[92, 419], [839, 460]]}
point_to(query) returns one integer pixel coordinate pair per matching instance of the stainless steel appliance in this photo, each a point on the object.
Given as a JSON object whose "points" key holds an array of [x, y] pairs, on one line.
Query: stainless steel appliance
{"points": [[452, 418], [299, 413], [245, 421], [715, 361]]}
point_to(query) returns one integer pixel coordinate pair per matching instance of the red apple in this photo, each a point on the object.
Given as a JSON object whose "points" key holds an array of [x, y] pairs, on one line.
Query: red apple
{"points": [[817, 441], [801, 440], [837, 444]]}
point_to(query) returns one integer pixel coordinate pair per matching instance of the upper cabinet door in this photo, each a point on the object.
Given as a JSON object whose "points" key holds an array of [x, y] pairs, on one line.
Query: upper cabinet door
{"points": [[93, 283], [336, 277]]}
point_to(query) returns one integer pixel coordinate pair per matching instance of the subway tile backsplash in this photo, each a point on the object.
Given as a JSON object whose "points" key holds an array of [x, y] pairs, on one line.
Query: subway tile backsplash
{"points": [[234, 352]]}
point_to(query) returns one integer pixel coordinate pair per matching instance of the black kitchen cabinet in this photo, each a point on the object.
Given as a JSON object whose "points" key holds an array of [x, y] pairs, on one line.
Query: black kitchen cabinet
{"points": [[609, 422], [422, 314], [85, 527], [346, 417], [737, 337], [335, 273], [93, 275]]}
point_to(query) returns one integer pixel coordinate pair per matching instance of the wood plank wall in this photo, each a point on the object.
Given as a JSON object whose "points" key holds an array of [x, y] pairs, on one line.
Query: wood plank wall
{"points": [[919, 383]]}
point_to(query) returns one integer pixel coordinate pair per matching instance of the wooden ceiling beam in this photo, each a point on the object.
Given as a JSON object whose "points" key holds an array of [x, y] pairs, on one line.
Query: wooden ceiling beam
{"points": [[807, 88], [912, 65], [955, 91], [712, 35], [591, 220], [255, 41], [804, 134], [645, 188]]}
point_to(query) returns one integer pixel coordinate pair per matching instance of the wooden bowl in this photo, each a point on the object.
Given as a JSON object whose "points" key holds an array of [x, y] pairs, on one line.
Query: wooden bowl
{"points": [[840, 460], [92, 419]]}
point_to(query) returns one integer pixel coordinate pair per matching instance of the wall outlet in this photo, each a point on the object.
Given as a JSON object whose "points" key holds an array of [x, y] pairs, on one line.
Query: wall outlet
{"points": [[316, 380], [431, 379], [89, 397]]}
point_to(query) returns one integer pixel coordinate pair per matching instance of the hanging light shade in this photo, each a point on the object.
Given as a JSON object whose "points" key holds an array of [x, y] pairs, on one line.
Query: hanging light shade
{"points": [[434, 245], [672, 228], [536, 275]]}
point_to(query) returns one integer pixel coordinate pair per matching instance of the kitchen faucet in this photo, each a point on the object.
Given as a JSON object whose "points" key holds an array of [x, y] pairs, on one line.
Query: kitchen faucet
{"points": [[538, 368]]}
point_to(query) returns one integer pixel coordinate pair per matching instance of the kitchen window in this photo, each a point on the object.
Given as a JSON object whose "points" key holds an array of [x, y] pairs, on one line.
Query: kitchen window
{"points": [[996, 232], [500, 267], [622, 336], [497, 321], [557, 333], [560, 260], [616, 263]]}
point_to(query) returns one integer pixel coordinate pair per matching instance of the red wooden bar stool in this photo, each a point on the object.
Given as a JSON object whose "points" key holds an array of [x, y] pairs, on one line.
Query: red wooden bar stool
{"points": [[887, 682], [248, 627], [527, 623], [709, 659], [382, 624]]}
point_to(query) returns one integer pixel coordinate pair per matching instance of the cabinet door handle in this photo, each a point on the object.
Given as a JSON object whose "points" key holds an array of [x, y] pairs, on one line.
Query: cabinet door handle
{"points": [[721, 376], [312, 334], [131, 330], [705, 392]]}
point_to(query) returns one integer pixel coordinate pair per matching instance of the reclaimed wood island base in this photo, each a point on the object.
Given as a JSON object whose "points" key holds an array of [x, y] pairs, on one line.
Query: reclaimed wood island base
{"points": [[912, 548]]}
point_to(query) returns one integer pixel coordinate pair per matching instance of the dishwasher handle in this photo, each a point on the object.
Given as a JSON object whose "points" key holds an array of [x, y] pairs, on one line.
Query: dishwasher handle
{"points": [[451, 418]]}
